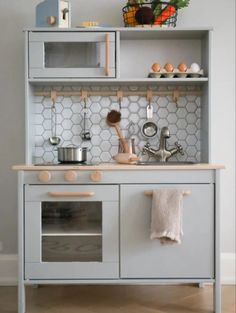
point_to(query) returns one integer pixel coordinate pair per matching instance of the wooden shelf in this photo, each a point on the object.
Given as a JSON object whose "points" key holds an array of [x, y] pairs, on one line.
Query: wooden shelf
{"points": [[119, 81]]}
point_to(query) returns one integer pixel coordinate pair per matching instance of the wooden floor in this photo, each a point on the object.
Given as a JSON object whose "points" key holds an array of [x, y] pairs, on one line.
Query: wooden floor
{"points": [[117, 299]]}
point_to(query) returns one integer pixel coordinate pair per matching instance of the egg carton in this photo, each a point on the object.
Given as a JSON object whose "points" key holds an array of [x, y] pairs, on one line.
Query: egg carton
{"points": [[176, 74]]}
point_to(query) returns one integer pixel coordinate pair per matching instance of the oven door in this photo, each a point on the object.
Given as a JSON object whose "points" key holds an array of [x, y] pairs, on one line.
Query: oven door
{"points": [[71, 232], [72, 55]]}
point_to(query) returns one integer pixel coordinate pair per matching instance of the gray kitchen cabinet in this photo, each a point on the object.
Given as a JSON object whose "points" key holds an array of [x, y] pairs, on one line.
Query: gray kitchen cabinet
{"points": [[72, 55], [142, 257]]}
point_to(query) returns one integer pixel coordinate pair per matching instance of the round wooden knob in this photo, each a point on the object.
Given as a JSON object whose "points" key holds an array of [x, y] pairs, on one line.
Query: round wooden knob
{"points": [[96, 176], [51, 20], [70, 176], [44, 176]]}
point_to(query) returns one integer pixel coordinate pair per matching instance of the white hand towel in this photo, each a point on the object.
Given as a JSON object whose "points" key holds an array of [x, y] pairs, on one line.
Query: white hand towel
{"points": [[167, 214]]}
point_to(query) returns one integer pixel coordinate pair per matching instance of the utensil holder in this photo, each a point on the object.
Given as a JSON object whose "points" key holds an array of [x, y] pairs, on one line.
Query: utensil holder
{"points": [[131, 146]]}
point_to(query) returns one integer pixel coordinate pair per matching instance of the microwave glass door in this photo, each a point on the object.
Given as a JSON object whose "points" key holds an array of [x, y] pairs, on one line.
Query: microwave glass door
{"points": [[71, 231], [72, 55]]}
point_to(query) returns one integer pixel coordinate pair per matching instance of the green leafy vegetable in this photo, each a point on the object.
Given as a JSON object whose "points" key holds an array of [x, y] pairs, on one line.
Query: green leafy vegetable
{"points": [[179, 4]]}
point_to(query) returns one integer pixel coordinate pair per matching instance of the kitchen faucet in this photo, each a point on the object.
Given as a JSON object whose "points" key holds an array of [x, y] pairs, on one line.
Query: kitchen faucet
{"points": [[162, 154]]}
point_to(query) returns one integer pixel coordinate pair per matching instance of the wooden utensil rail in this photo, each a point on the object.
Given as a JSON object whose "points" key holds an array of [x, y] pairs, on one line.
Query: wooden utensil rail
{"points": [[149, 94]]}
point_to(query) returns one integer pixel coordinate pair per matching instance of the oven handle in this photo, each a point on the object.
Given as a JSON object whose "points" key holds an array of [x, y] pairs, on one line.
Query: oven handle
{"points": [[71, 194]]}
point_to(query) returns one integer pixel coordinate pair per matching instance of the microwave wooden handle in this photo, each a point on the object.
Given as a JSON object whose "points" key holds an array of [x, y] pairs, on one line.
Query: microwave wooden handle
{"points": [[107, 55], [71, 194]]}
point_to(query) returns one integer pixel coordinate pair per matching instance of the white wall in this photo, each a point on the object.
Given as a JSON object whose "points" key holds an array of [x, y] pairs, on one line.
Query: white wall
{"points": [[17, 14]]}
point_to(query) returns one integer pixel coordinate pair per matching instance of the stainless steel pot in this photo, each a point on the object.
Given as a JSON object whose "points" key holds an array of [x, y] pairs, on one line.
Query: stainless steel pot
{"points": [[72, 154]]}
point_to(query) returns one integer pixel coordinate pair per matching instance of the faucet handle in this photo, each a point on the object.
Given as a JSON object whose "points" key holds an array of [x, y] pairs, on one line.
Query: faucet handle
{"points": [[147, 146], [179, 148]]}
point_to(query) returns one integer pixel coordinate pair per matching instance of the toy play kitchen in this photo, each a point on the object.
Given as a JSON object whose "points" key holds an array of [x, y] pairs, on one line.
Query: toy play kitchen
{"points": [[89, 222]]}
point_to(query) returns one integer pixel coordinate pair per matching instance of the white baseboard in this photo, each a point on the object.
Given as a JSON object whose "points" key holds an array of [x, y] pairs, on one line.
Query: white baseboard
{"points": [[8, 269], [228, 271]]}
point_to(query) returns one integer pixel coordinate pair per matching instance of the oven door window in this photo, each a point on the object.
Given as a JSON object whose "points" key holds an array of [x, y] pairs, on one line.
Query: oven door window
{"points": [[71, 231]]}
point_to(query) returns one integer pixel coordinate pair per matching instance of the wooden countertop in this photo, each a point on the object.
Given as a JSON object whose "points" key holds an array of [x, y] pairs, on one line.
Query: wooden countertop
{"points": [[117, 167]]}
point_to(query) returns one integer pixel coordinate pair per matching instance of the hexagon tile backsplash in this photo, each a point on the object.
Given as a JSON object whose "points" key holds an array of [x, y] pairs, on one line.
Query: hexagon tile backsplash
{"points": [[183, 120]]}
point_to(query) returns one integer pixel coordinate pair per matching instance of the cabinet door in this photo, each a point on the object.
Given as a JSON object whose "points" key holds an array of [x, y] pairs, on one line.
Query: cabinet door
{"points": [[72, 55], [71, 236], [142, 257]]}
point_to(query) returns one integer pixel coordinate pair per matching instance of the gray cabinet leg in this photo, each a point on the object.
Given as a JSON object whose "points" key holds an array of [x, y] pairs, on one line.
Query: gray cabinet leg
{"points": [[21, 298]]}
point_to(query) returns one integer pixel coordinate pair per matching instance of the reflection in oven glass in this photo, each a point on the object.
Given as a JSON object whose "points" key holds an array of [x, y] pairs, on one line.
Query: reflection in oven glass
{"points": [[72, 249]]}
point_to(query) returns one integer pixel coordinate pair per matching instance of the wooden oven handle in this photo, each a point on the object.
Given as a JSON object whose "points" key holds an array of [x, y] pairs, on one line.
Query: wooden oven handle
{"points": [[71, 194], [107, 60]]}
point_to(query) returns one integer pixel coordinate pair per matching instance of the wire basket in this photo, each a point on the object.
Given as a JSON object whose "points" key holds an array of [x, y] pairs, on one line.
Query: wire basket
{"points": [[164, 14]]}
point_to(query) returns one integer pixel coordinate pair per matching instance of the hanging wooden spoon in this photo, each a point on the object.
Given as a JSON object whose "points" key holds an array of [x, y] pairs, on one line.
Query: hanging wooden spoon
{"points": [[113, 120]]}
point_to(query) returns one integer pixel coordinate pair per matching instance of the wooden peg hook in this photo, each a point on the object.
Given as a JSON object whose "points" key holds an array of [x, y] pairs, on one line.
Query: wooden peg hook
{"points": [[84, 95], [53, 96], [176, 95], [149, 95]]}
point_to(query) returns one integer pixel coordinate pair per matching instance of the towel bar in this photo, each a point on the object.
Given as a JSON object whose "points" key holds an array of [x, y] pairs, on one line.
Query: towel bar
{"points": [[150, 192]]}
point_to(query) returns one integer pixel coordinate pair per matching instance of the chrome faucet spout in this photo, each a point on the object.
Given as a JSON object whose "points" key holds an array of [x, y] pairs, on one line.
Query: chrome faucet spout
{"points": [[163, 154]]}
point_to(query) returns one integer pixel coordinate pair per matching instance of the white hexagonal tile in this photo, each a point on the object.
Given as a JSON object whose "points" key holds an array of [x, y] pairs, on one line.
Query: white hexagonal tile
{"points": [[95, 99], [162, 101], [75, 99], [95, 129], [142, 112], [191, 107], [48, 156], [59, 129], [39, 130], [173, 129], [96, 151], [76, 130], [67, 124], [198, 123], [95, 107], [181, 103], [191, 118], [142, 102], [125, 113], [67, 102], [181, 123], [134, 107], [47, 124], [39, 108], [191, 129], [104, 112], [38, 120], [95, 118], [134, 118], [39, 151], [172, 107], [67, 135], [105, 157], [191, 140], [181, 112], [47, 102], [47, 113], [191, 151], [96, 140], [76, 108], [181, 134], [67, 113], [105, 146], [172, 118], [76, 140], [38, 99], [105, 135], [76, 119], [162, 123], [59, 107], [191, 98], [133, 98], [162, 113], [198, 112], [105, 102]]}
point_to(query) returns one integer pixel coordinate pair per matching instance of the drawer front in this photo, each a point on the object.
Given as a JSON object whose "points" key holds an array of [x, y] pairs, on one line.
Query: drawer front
{"points": [[37, 193], [142, 257]]}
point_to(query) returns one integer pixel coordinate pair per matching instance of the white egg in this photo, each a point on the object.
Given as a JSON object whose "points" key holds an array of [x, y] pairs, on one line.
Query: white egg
{"points": [[195, 68]]}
